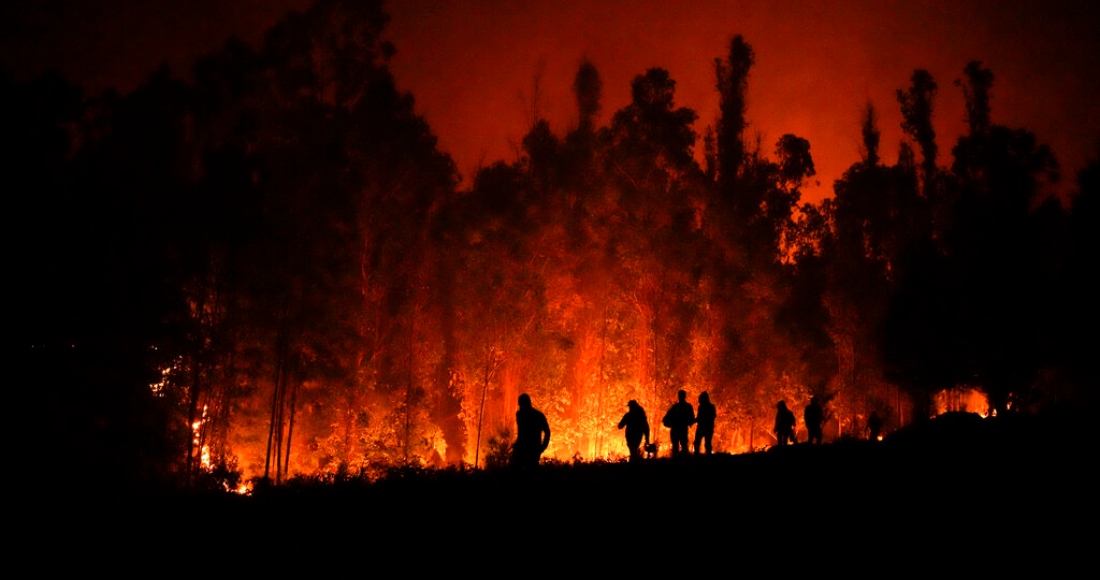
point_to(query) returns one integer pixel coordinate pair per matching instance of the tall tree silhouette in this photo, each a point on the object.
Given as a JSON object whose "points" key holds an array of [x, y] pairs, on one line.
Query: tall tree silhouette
{"points": [[972, 305], [997, 244], [588, 89], [1080, 312], [327, 177], [916, 111], [101, 277], [733, 81]]}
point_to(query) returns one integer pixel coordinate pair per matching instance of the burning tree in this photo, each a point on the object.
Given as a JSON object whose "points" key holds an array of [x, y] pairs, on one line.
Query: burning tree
{"points": [[321, 297]]}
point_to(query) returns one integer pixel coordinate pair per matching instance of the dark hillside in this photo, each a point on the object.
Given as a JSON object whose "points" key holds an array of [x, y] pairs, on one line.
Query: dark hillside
{"points": [[1002, 491]]}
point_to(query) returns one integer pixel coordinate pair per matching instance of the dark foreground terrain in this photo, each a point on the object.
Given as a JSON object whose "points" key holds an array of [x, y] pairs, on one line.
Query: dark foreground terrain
{"points": [[989, 495]]}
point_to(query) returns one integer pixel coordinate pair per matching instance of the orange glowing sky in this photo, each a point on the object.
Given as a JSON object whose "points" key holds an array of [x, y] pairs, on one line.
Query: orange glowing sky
{"points": [[472, 64]]}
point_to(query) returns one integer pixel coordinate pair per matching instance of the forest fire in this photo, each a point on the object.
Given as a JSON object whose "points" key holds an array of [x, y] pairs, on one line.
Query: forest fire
{"points": [[325, 299], [586, 433]]}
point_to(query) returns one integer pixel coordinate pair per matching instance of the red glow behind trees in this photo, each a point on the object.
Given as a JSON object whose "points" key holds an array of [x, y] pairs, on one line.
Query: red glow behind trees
{"points": [[343, 306], [385, 318]]}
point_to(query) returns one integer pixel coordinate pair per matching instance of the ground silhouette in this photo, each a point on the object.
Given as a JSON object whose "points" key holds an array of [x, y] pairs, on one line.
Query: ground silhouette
{"points": [[1009, 490]]}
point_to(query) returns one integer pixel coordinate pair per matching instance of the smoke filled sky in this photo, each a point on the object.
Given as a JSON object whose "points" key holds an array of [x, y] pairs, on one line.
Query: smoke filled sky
{"points": [[474, 65]]}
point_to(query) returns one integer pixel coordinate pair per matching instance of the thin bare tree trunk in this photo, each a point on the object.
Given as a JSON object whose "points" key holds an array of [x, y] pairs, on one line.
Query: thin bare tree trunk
{"points": [[408, 387], [278, 398], [481, 411], [290, 432], [601, 386], [274, 414]]}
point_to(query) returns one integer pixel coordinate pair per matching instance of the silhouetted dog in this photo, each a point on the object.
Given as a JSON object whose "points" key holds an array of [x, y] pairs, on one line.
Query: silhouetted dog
{"points": [[651, 450]]}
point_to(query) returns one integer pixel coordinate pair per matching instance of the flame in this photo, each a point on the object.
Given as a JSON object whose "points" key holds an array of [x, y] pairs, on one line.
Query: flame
{"points": [[966, 399], [159, 388], [583, 428]]}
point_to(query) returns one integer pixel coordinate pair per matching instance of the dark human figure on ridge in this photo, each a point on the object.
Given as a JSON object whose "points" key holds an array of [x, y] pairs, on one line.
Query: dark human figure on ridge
{"points": [[679, 419], [784, 424], [874, 426], [531, 424], [637, 428], [813, 416], [704, 423]]}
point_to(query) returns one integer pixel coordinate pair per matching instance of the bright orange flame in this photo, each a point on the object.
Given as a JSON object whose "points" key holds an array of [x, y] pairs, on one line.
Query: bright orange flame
{"points": [[966, 400]]}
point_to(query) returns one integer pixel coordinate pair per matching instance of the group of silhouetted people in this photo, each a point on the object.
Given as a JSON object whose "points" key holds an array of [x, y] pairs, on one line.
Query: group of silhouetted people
{"points": [[679, 419], [533, 430], [812, 415], [681, 416]]}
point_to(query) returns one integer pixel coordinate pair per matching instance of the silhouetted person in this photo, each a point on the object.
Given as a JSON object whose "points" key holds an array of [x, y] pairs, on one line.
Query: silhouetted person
{"points": [[531, 424], [874, 426], [814, 417], [679, 419], [704, 423], [784, 424], [637, 428]]}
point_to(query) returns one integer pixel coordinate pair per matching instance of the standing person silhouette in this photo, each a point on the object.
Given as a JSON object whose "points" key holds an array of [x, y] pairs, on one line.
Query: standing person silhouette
{"points": [[704, 423], [813, 416], [678, 419], [531, 425], [784, 424], [637, 427]]}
